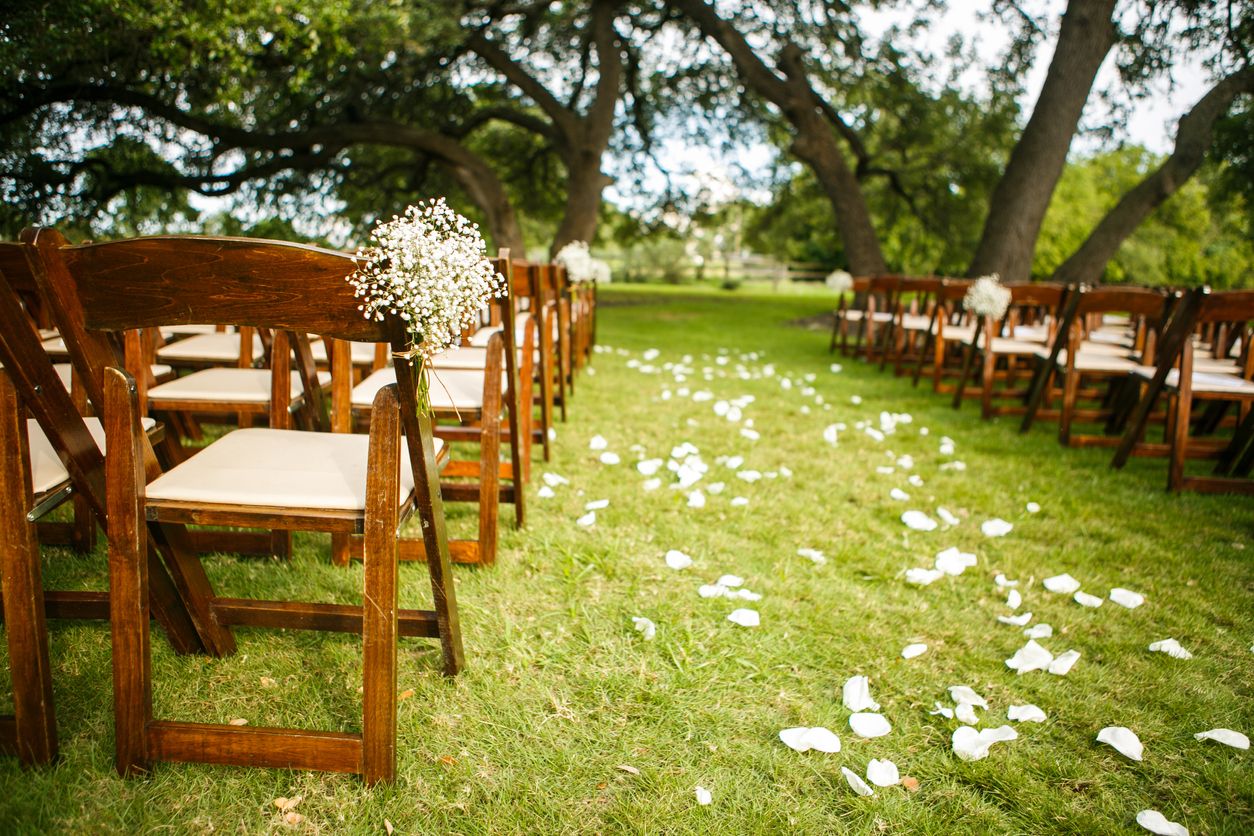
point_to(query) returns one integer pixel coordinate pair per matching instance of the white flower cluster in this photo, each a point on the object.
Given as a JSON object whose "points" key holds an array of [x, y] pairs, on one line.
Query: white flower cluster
{"points": [[429, 267], [839, 281], [987, 296], [580, 265]]}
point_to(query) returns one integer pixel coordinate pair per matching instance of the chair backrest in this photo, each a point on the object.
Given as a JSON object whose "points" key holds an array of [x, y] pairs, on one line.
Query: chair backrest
{"points": [[1138, 301], [1036, 294], [21, 281], [1228, 306]]}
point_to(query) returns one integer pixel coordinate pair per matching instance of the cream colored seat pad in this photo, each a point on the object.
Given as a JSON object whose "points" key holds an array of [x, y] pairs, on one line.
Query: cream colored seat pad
{"points": [[243, 385], [1087, 361], [915, 322], [362, 354], [448, 388], [208, 348], [1205, 382], [46, 470], [278, 468]]}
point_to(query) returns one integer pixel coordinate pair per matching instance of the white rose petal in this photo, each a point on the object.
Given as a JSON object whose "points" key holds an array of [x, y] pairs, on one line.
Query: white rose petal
{"points": [[965, 712], [918, 521], [1063, 663], [610, 458], [645, 627], [1156, 822], [696, 499], [553, 480], [867, 724], [946, 517], [923, 577], [745, 618], [951, 561], [587, 519], [1025, 714], [899, 495], [1124, 741], [996, 527], [1063, 584], [882, 773], [598, 442], [730, 581], [795, 738], [947, 713], [1039, 631], [1015, 620], [739, 502], [1003, 581], [964, 693], [1033, 508], [1086, 600], [1127, 598], [648, 467], [1014, 599], [1228, 737], [912, 650], [855, 783], [856, 695], [971, 745], [545, 492], [703, 796], [1030, 657], [821, 740], [814, 555], [597, 505], [1172, 648], [677, 559]]}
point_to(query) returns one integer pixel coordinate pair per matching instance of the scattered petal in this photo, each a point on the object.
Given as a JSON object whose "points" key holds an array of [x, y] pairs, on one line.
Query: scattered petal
{"points": [[1003, 581], [1015, 620], [645, 627], [821, 739], [1063, 663], [882, 773], [1063, 584], [553, 480], [855, 783], [598, 443], [677, 559], [1126, 598], [1033, 508], [795, 738], [1124, 741], [814, 555], [944, 711], [703, 796], [545, 492], [912, 650], [744, 617], [857, 695], [696, 499], [1039, 631], [238, 721], [1025, 714], [918, 521], [923, 577], [597, 505], [587, 519], [1228, 737], [964, 693], [1172, 648], [739, 502], [965, 712], [954, 562], [648, 467], [730, 581], [1156, 822], [610, 458], [971, 745], [899, 495], [867, 724], [996, 527], [946, 517], [651, 484], [1086, 600], [1014, 599]]}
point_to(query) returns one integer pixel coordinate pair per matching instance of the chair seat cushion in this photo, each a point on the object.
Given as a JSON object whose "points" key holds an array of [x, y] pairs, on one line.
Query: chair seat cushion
{"points": [[915, 322], [279, 469], [958, 333], [449, 389], [1088, 361], [1005, 345], [1207, 383], [208, 348], [1213, 365], [239, 385], [1031, 333], [362, 354], [46, 470]]}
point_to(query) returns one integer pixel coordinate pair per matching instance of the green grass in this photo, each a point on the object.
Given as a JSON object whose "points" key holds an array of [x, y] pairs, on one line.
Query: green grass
{"points": [[560, 690]]}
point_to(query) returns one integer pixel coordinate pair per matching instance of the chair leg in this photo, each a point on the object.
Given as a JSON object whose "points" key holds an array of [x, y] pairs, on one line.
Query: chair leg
{"points": [[35, 724], [968, 361], [1070, 393], [490, 479], [1179, 438], [986, 388], [379, 630], [128, 576]]}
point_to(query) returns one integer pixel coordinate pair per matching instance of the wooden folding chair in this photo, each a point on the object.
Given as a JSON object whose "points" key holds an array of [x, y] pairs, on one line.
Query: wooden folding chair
{"points": [[1006, 350], [471, 392], [1219, 384], [1094, 359], [902, 336], [269, 478], [948, 328]]}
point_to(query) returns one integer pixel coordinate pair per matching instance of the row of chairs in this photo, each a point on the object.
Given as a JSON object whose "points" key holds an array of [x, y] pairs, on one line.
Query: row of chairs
{"points": [[344, 450], [1108, 363]]}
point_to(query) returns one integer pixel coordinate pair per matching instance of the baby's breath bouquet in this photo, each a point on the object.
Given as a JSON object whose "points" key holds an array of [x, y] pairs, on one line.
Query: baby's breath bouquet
{"points": [[988, 297], [429, 267], [577, 260], [839, 281]]}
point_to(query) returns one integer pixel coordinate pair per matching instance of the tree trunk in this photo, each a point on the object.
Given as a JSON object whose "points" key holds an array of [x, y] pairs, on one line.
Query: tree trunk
{"points": [[1193, 138], [815, 144], [584, 184], [1018, 204], [489, 195]]}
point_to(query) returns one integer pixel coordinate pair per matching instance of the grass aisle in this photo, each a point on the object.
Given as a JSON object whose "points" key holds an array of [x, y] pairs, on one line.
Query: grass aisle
{"points": [[569, 721]]}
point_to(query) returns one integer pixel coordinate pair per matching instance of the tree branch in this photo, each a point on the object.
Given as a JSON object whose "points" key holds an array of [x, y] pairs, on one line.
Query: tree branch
{"points": [[497, 58]]}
